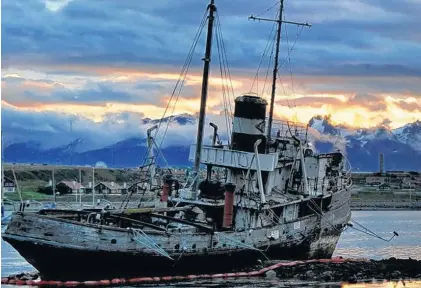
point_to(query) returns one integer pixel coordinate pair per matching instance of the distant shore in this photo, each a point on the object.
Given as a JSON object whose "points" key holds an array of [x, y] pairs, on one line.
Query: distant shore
{"points": [[360, 200], [355, 206]]}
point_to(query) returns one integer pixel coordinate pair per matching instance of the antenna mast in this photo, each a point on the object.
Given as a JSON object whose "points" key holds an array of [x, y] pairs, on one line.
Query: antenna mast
{"points": [[275, 72], [276, 64], [204, 94]]}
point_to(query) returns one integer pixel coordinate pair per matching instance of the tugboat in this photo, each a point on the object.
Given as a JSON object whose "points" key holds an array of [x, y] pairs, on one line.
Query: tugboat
{"points": [[278, 199]]}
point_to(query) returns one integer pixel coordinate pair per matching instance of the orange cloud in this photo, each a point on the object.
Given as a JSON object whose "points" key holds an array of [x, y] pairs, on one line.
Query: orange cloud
{"points": [[352, 101]]}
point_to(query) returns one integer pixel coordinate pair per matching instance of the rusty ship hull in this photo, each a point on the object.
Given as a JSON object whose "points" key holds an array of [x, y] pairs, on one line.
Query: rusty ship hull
{"points": [[61, 249]]}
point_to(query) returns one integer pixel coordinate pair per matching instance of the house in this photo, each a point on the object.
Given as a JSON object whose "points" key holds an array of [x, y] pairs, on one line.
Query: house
{"points": [[139, 187], [68, 187], [8, 185], [411, 182], [375, 180], [110, 188], [384, 186]]}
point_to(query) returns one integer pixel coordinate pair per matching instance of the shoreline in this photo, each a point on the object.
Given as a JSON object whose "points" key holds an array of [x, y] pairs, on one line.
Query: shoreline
{"points": [[373, 206], [384, 209]]}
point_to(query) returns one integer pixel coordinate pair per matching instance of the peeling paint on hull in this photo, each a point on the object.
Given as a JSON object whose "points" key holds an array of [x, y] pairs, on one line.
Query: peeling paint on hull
{"points": [[64, 263], [65, 250]]}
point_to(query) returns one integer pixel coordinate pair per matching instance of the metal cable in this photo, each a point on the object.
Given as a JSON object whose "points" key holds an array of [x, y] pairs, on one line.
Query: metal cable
{"points": [[270, 41]]}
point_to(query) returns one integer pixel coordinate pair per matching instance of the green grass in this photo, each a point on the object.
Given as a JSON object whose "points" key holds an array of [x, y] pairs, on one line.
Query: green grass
{"points": [[27, 195], [28, 190]]}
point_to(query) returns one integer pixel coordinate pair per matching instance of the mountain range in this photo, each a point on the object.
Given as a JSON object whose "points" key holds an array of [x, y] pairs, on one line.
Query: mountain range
{"points": [[401, 147]]}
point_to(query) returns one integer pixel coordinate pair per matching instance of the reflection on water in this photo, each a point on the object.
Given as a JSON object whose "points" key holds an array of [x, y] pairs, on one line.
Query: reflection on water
{"points": [[353, 244], [400, 284], [407, 224]]}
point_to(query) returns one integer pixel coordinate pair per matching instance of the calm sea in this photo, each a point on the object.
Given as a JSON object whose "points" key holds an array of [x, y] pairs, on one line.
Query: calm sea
{"points": [[353, 244]]}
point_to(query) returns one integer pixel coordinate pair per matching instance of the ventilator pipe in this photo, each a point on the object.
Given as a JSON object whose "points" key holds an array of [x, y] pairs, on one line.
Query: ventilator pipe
{"points": [[229, 205], [166, 189]]}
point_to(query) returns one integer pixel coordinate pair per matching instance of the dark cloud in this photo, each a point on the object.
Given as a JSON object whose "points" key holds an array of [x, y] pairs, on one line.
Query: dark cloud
{"points": [[358, 38], [358, 84], [312, 101], [370, 101], [100, 94], [21, 91], [413, 107]]}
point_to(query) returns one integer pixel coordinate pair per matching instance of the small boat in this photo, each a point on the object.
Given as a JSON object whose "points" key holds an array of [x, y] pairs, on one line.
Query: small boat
{"points": [[277, 198]]}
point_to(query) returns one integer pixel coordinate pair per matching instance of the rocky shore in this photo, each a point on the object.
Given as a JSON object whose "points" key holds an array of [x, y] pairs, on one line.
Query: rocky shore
{"points": [[351, 272], [336, 270]]}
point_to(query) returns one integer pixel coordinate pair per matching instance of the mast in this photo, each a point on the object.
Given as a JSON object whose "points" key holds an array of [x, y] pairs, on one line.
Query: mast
{"points": [[275, 72], [204, 94], [276, 64]]}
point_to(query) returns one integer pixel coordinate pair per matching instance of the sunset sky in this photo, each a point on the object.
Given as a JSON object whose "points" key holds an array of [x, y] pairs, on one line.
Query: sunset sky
{"points": [[105, 62]]}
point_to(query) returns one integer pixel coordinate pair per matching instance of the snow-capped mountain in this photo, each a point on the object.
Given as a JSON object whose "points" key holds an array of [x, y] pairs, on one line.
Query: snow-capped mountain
{"points": [[410, 134], [401, 147], [182, 119]]}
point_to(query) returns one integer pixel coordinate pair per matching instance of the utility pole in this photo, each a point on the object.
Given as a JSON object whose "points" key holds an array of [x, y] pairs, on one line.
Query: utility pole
{"points": [[204, 94], [53, 184], [276, 64], [113, 157], [93, 186], [71, 142], [80, 184]]}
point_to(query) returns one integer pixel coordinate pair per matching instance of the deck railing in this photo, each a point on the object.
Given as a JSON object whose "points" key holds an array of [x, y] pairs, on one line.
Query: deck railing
{"points": [[281, 128]]}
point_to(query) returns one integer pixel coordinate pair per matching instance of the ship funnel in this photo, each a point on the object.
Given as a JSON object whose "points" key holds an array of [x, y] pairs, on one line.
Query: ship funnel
{"points": [[166, 189], [249, 123], [229, 205]]}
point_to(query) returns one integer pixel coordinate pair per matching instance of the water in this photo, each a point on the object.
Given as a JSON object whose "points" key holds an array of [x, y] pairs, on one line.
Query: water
{"points": [[353, 244], [407, 224]]}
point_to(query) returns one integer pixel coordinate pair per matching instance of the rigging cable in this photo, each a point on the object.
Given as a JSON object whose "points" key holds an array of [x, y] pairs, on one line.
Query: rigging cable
{"points": [[285, 59], [263, 56], [225, 76], [227, 72], [177, 90], [288, 58], [180, 81], [268, 9], [225, 58], [224, 95], [188, 61], [269, 64], [231, 241], [289, 63]]}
